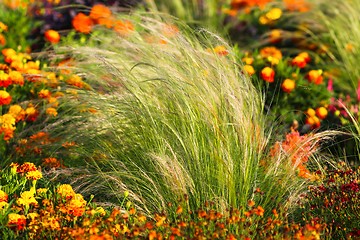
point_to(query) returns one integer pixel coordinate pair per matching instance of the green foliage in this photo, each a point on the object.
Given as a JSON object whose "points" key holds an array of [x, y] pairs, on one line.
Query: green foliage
{"points": [[19, 35], [335, 202]]}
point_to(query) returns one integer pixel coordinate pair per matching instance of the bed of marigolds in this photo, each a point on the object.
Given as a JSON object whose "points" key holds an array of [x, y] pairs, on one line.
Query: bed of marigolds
{"points": [[31, 93], [34, 209]]}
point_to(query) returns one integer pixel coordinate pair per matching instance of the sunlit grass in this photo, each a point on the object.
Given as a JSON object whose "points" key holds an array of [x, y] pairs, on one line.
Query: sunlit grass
{"points": [[176, 118]]}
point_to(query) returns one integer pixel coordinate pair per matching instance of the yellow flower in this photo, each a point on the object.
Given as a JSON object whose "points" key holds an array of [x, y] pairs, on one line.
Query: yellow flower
{"points": [[34, 175], [16, 221], [27, 198], [3, 196], [3, 27], [249, 69], [288, 85], [32, 216], [3, 206], [65, 190], [248, 60], [76, 206], [7, 121], [272, 52], [271, 16], [321, 112], [274, 14], [51, 111], [17, 112]]}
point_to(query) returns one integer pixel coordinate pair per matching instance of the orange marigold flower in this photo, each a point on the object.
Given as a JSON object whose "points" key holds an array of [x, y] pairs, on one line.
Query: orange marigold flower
{"points": [[76, 206], [16, 78], [315, 76], [259, 211], [306, 56], [248, 60], [8, 52], [221, 50], [251, 203], [7, 121], [44, 93], [288, 85], [99, 11], [51, 162], [275, 36], [65, 191], [2, 40], [107, 22], [310, 112], [249, 69], [297, 5], [5, 97], [26, 167], [82, 23], [52, 36], [321, 112], [299, 61], [267, 74], [124, 28], [3, 196], [16, 221], [314, 121], [51, 112], [5, 79], [3, 27], [76, 81], [271, 52], [31, 114]]}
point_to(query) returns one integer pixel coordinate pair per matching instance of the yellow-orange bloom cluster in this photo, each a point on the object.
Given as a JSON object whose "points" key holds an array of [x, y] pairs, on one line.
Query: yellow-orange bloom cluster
{"points": [[3, 196], [100, 14], [272, 54], [16, 221], [267, 74], [315, 76]]}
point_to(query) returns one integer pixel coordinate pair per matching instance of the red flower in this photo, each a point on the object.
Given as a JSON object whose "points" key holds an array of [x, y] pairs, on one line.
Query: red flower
{"points": [[268, 74], [298, 61], [315, 76], [5, 97]]}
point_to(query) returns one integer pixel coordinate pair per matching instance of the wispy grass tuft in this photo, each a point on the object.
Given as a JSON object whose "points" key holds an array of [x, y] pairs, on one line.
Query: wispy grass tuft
{"points": [[342, 36], [175, 119]]}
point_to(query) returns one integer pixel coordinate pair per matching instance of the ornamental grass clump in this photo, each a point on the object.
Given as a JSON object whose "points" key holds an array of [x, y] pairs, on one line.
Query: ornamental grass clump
{"points": [[175, 115]]}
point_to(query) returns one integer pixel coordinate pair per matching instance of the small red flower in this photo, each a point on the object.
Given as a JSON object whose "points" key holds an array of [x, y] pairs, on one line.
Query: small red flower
{"points": [[268, 74]]}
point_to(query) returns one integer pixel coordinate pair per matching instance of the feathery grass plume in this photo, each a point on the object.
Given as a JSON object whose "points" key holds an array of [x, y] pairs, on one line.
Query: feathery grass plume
{"points": [[341, 38], [174, 118]]}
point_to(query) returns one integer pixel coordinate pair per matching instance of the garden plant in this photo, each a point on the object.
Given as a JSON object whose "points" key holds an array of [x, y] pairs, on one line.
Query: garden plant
{"points": [[221, 119]]}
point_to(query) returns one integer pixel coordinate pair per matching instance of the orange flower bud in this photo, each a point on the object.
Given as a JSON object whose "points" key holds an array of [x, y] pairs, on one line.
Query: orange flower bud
{"points": [[249, 69], [315, 76], [321, 112], [310, 112], [299, 61], [288, 85], [52, 36], [268, 74]]}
